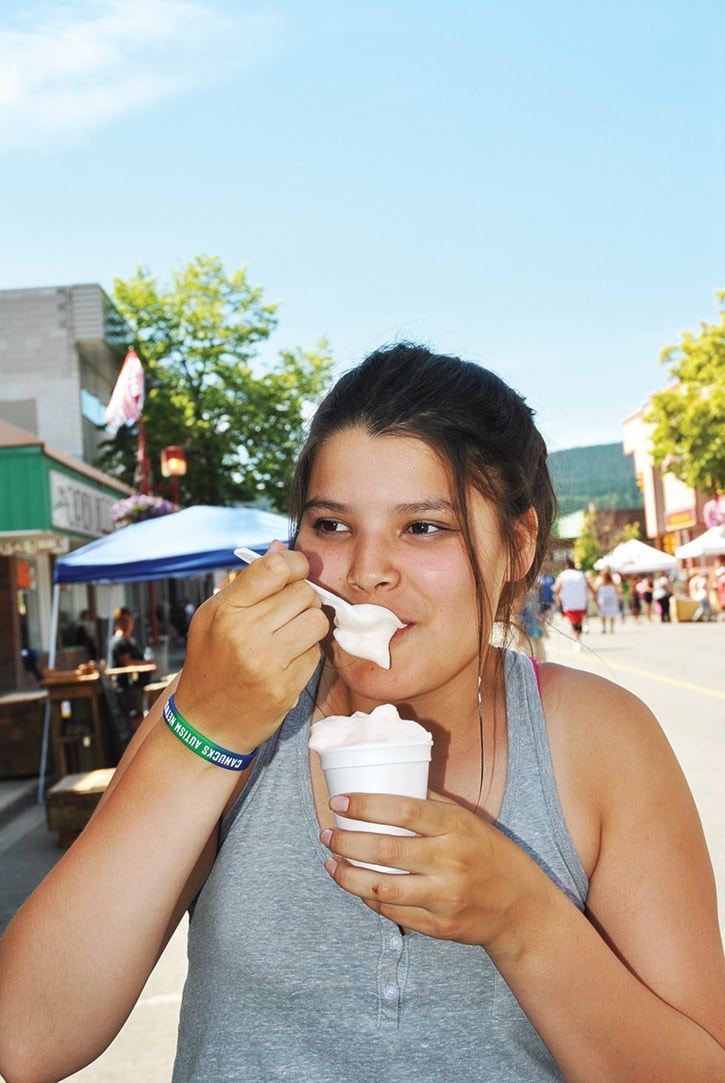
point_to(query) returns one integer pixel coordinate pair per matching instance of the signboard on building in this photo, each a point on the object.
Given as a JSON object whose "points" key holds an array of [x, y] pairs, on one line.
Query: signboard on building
{"points": [[678, 520], [79, 508], [32, 543]]}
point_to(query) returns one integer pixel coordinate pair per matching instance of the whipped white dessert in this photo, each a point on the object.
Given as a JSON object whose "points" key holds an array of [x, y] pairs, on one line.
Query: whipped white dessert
{"points": [[382, 726], [366, 631], [362, 630], [378, 752]]}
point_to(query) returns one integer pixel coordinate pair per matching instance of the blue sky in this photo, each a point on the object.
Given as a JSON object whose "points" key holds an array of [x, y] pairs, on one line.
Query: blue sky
{"points": [[534, 184]]}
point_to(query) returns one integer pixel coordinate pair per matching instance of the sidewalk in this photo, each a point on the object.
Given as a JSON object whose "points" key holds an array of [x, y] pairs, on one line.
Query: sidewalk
{"points": [[16, 795], [144, 1050]]}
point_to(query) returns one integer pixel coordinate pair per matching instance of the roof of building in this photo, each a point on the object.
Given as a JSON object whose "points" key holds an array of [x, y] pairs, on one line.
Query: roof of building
{"points": [[13, 436]]}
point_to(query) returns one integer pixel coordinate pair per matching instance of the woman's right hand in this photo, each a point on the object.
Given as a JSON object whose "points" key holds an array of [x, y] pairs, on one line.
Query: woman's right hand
{"points": [[251, 650]]}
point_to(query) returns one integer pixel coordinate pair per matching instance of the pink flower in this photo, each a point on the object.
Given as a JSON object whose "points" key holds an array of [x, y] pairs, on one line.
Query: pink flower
{"points": [[713, 513], [140, 506]]}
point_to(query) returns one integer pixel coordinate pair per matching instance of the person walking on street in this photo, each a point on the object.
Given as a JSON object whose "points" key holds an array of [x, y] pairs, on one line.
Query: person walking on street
{"points": [[572, 589], [607, 601], [644, 593], [720, 587], [625, 596], [661, 593], [635, 598], [699, 589]]}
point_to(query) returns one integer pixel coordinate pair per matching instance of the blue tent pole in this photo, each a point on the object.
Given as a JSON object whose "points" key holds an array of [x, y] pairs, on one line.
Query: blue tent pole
{"points": [[54, 612]]}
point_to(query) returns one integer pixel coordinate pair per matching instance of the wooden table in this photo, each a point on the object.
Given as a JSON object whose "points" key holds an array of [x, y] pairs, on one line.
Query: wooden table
{"points": [[137, 667], [78, 729]]}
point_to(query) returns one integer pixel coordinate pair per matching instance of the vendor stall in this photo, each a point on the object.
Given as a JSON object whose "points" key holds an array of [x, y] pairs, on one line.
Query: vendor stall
{"points": [[189, 542]]}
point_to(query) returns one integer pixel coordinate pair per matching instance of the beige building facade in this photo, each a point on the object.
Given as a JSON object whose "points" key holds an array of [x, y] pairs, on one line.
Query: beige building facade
{"points": [[61, 348], [673, 511]]}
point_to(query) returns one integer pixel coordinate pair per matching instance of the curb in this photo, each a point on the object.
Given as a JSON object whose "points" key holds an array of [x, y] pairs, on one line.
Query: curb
{"points": [[16, 797]]}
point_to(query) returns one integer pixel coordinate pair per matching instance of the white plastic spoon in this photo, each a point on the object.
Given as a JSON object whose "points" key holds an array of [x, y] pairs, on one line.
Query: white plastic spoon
{"points": [[362, 630]]}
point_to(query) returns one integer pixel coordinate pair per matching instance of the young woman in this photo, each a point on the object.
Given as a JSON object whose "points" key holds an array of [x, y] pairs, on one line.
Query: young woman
{"points": [[558, 919]]}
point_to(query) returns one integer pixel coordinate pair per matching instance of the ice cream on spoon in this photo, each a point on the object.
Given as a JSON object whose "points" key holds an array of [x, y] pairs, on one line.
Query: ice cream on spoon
{"points": [[362, 630]]}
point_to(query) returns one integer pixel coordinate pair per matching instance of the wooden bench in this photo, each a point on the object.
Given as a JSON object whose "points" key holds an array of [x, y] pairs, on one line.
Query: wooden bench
{"points": [[70, 803]]}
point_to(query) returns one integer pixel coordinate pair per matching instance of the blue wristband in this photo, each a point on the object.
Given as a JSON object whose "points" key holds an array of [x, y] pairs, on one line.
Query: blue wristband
{"points": [[201, 745]]}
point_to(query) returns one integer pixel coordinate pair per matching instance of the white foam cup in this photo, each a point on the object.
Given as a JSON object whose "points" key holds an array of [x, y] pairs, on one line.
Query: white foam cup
{"points": [[377, 768]]}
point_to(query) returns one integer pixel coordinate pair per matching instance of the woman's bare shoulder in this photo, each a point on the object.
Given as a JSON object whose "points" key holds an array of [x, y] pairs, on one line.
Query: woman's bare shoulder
{"points": [[606, 748], [603, 726], [574, 698]]}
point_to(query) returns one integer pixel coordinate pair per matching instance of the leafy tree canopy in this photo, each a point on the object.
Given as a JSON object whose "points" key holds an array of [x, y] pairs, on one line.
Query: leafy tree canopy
{"points": [[689, 418], [198, 337], [588, 546], [599, 536]]}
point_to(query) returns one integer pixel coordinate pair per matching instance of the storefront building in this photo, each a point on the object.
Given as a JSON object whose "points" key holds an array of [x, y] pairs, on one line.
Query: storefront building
{"points": [[50, 503], [673, 511]]}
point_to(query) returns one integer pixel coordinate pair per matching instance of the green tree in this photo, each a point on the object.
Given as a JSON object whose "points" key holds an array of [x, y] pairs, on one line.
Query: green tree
{"points": [[689, 417], [629, 532], [599, 536], [198, 338], [588, 547]]}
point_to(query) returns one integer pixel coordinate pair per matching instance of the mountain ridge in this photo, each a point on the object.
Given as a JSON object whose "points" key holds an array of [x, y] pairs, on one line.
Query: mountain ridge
{"points": [[599, 473]]}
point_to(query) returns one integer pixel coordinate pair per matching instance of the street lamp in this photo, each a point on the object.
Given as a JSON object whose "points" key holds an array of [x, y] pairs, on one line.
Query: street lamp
{"points": [[173, 465]]}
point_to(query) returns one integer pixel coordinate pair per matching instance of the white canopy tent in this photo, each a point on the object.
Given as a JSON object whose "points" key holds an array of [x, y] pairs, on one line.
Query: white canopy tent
{"points": [[637, 558], [709, 544]]}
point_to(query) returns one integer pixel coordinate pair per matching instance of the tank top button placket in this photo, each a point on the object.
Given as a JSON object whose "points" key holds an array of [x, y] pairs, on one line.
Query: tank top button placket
{"points": [[391, 977]]}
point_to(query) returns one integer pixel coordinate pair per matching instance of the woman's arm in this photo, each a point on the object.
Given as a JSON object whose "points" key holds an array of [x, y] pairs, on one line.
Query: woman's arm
{"points": [[634, 989], [76, 956]]}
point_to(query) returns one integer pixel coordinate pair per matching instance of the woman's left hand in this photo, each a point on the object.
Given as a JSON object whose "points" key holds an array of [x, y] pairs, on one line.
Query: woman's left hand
{"points": [[467, 880]]}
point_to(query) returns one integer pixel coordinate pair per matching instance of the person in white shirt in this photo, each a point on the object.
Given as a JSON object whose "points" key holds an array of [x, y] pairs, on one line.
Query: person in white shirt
{"points": [[572, 589]]}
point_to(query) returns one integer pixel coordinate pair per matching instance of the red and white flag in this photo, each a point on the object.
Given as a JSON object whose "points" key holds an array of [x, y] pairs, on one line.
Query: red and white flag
{"points": [[127, 399]]}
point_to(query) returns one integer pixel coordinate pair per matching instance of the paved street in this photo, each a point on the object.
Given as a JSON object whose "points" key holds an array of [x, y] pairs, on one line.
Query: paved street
{"points": [[676, 669]]}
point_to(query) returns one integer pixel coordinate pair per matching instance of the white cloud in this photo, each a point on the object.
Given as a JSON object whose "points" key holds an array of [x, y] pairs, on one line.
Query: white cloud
{"points": [[70, 68]]}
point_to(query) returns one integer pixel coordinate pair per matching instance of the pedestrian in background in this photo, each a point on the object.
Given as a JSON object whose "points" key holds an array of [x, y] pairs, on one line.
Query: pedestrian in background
{"points": [[644, 592], [532, 627], [572, 590], [86, 634], [125, 654], [699, 590], [720, 587], [547, 601], [661, 593], [607, 601], [625, 597]]}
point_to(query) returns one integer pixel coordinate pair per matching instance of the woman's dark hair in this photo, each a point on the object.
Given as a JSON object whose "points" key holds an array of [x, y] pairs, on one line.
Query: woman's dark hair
{"points": [[482, 430]]}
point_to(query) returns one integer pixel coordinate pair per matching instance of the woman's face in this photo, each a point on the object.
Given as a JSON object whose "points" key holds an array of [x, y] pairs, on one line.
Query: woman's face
{"points": [[381, 526]]}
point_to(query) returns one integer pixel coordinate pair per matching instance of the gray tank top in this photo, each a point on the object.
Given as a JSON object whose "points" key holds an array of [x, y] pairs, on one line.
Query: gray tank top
{"points": [[291, 978]]}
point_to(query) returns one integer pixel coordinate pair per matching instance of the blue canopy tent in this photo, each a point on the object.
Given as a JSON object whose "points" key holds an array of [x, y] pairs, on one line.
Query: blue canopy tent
{"points": [[188, 542]]}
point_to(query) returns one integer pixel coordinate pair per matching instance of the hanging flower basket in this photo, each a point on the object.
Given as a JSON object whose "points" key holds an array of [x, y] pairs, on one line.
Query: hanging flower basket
{"points": [[713, 513], [136, 508]]}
